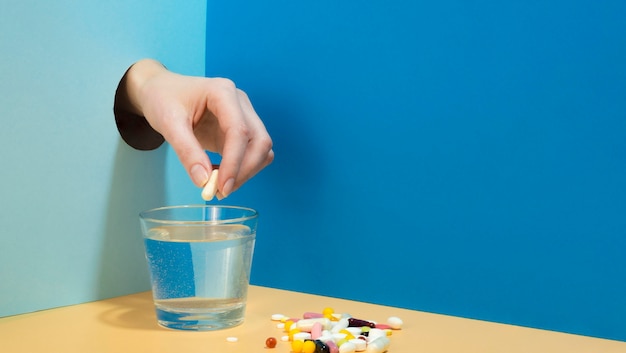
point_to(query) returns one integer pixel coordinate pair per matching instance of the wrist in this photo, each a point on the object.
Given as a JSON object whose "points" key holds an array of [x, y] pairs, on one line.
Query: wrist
{"points": [[136, 77]]}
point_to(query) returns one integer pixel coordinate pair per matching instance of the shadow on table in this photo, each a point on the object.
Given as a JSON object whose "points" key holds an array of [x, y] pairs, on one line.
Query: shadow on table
{"points": [[137, 184], [131, 312]]}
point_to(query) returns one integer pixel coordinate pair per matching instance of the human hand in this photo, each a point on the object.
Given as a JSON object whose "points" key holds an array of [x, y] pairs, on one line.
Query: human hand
{"points": [[195, 114]]}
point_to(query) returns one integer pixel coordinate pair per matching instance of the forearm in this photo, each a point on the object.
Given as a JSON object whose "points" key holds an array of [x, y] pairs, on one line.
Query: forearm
{"points": [[136, 77]]}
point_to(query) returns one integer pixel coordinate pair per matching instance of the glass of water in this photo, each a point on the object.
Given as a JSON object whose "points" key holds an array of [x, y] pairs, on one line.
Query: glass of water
{"points": [[199, 258]]}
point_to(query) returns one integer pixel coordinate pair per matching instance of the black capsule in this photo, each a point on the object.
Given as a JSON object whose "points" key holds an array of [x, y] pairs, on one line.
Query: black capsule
{"points": [[321, 347], [352, 322]]}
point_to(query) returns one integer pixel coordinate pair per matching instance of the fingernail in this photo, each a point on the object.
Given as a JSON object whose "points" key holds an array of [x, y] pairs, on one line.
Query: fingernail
{"points": [[228, 187], [199, 175]]}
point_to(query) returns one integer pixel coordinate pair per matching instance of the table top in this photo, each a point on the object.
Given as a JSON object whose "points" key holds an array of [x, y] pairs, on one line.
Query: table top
{"points": [[128, 324]]}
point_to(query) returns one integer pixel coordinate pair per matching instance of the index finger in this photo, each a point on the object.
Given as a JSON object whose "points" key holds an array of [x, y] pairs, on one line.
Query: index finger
{"points": [[225, 105]]}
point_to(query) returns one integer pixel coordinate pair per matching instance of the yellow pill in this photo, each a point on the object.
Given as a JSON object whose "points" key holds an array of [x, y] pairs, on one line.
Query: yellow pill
{"points": [[292, 332], [348, 334], [388, 332], [308, 347], [329, 313], [288, 325], [296, 346]]}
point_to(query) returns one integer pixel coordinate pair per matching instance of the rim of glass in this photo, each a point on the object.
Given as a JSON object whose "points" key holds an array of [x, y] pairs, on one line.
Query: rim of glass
{"points": [[145, 214]]}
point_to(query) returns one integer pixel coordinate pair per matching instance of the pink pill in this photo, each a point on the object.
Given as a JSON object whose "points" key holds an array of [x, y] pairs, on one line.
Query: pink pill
{"points": [[332, 346], [383, 326], [316, 331], [310, 315]]}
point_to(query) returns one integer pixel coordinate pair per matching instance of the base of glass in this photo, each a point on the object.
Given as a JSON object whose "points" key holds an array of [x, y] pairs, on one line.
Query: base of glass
{"points": [[200, 321]]}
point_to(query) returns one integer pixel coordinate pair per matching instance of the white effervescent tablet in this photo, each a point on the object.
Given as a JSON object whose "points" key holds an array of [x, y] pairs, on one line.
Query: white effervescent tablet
{"points": [[211, 186], [277, 317], [395, 322], [232, 339]]}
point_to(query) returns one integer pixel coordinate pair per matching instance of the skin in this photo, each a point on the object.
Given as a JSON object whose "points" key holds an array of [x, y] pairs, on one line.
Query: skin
{"points": [[195, 114]]}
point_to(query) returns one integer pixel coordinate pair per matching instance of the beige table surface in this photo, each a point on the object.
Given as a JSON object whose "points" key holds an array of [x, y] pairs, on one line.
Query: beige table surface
{"points": [[128, 324]]}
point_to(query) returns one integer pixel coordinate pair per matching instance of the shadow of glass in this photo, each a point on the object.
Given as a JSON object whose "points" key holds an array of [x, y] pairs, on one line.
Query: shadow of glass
{"points": [[137, 184], [132, 312]]}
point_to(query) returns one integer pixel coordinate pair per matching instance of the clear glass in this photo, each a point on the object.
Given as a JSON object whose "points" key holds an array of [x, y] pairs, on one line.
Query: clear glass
{"points": [[199, 257]]}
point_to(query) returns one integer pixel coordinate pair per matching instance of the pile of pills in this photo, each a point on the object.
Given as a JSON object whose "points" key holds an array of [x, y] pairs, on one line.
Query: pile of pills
{"points": [[329, 332]]}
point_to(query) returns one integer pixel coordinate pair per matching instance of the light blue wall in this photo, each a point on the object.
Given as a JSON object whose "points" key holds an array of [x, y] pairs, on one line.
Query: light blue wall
{"points": [[459, 157], [71, 191]]}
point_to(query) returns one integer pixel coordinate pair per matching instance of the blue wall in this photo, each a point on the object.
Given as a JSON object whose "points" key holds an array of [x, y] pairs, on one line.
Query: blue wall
{"points": [[459, 157]]}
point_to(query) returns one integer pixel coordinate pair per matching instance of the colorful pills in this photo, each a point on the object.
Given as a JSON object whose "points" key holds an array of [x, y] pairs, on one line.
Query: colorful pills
{"points": [[329, 332]]}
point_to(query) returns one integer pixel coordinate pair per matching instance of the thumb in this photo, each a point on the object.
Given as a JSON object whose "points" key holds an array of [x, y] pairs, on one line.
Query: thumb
{"points": [[192, 156]]}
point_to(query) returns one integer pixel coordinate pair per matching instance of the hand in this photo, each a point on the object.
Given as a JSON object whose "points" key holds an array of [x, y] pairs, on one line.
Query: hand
{"points": [[195, 114]]}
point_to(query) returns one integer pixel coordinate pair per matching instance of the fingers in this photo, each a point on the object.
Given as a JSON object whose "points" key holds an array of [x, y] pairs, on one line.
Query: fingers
{"points": [[190, 153], [259, 151], [247, 146], [181, 114]]}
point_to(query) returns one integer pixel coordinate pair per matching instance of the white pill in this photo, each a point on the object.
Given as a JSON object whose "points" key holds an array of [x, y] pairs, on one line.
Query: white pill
{"points": [[301, 336], [284, 338], [280, 325], [355, 331], [232, 339], [395, 322], [378, 345], [375, 333], [347, 347], [338, 336], [211, 186], [340, 325], [326, 336], [277, 317], [359, 344], [307, 324]]}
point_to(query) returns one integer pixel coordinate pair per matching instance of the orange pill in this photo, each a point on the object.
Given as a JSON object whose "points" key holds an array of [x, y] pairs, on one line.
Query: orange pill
{"points": [[270, 342]]}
